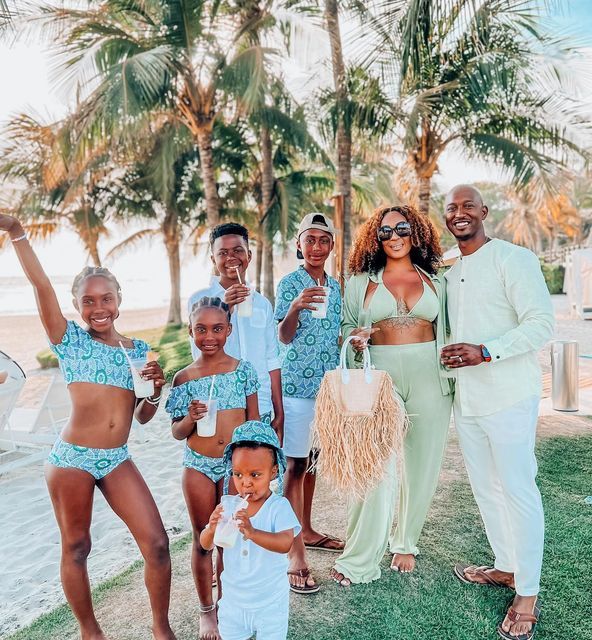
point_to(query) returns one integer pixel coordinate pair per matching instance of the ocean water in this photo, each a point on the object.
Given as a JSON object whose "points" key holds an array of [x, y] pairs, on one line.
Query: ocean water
{"points": [[143, 275]]}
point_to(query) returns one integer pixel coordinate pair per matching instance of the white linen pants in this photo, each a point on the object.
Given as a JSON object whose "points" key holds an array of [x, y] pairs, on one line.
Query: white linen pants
{"points": [[498, 451]]}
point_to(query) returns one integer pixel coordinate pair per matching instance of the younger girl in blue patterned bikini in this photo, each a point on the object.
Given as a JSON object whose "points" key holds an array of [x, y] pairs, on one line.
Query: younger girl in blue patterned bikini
{"points": [[91, 450], [235, 387]]}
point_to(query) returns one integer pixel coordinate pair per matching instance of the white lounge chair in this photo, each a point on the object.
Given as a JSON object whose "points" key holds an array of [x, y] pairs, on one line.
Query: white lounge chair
{"points": [[26, 435]]}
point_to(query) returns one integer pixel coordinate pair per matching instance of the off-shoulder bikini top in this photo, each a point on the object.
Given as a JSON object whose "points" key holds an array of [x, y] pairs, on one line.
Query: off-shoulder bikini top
{"points": [[230, 389], [83, 359]]}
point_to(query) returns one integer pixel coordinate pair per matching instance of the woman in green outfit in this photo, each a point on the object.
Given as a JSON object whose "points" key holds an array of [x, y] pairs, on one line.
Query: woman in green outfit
{"points": [[396, 291]]}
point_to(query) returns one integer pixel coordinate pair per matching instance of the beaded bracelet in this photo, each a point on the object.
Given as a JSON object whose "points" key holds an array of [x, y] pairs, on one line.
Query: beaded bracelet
{"points": [[23, 237]]}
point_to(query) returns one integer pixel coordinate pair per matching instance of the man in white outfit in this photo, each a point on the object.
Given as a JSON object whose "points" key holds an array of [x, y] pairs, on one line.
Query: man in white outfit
{"points": [[500, 316]]}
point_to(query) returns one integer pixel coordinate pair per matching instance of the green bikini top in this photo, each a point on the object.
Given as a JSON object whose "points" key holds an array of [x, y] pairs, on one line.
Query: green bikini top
{"points": [[383, 305]]}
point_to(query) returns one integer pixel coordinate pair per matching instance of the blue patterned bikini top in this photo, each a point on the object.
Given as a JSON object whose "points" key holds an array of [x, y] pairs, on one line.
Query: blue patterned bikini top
{"points": [[83, 359], [230, 389]]}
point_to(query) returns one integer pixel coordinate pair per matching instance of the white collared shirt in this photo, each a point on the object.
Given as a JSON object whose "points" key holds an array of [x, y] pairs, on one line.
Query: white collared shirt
{"points": [[253, 339], [497, 297]]}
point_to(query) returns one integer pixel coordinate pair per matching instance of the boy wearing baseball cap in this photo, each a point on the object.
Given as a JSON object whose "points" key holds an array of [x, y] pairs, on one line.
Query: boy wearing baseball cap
{"points": [[308, 312]]}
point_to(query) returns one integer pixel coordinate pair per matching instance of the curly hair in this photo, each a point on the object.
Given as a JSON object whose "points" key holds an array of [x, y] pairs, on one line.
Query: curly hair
{"points": [[368, 256]]}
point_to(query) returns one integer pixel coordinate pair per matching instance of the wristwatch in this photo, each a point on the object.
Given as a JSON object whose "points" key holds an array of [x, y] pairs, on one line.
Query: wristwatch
{"points": [[485, 353]]}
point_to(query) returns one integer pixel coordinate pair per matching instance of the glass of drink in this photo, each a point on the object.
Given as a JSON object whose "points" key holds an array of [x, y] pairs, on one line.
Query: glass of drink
{"points": [[227, 529], [245, 308], [206, 426], [142, 388], [321, 307]]}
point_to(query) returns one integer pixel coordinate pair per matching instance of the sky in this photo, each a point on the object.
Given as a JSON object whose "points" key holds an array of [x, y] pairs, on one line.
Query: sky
{"points": [[27, 86]]}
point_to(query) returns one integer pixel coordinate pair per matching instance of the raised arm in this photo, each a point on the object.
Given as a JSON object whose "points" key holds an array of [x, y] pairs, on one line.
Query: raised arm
{"points": [[49, 309]]}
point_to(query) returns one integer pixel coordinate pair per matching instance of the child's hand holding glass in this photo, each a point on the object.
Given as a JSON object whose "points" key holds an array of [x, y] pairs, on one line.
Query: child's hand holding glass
{"points": [[244, 524], [197, 410]]}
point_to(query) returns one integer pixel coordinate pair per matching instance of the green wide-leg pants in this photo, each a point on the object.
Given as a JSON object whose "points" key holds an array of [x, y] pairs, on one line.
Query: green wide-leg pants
{"points": [[414, 370]]}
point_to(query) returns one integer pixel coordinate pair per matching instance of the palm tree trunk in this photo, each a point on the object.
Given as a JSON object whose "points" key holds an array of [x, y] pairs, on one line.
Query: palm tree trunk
{"points": [[93, 250], [259, 261], [170, 228], [425, 192], [208, 175], [266, 197], [343, 135], [269, 290]]}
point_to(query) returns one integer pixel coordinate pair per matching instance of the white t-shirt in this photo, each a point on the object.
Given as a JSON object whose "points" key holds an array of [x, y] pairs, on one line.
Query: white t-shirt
{"points": [[254, 577]]}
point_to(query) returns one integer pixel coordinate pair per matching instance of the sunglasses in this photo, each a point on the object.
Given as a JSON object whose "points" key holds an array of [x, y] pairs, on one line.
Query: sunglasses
{"points": [[402, 229]]}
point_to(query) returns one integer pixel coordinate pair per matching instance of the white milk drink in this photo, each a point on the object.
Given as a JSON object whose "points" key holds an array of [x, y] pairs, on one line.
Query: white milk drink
{"points": [[227, 529], [245, 308], [321, 307], [206, 426], [142, 388]]}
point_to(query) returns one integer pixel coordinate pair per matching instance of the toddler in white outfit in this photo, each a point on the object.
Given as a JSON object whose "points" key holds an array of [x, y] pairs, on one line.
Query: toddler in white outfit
{"points": [[255, 586]]}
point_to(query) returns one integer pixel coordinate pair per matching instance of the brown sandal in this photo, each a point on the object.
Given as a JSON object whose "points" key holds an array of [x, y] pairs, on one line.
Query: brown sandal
{"points": [[305, 588], [460, 571], [514, 617]]}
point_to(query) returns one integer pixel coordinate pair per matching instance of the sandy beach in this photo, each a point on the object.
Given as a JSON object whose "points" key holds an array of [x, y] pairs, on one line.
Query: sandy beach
{"points": [[29, 582]]}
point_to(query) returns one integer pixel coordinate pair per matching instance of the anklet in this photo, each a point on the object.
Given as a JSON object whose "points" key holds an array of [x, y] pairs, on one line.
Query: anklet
{"points": [[207, 608], [23, 237]]}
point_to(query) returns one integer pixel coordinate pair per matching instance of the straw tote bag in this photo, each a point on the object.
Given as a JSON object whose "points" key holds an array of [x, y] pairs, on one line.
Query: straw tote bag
{"points": [[359, 424]]}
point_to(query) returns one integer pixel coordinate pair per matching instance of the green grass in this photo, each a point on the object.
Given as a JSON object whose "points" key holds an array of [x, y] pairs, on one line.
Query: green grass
{"points": [[170, 341], [431, 603]]}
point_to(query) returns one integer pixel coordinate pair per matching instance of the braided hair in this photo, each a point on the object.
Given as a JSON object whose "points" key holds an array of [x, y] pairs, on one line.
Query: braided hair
{"points": [[208, 302], [91, 272], [368, 256]]}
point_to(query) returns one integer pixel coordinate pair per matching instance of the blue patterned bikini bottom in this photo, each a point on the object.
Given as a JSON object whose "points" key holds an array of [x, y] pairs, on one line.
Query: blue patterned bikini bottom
{"points": [[97, 462], [212, 468]]}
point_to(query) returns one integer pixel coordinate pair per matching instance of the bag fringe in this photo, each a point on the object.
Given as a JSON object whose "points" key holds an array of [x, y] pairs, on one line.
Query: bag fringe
{"points": [[354, 450]]}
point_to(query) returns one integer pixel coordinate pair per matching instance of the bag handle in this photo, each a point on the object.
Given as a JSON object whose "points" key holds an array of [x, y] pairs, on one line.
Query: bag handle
{"points": [[343, 362]]}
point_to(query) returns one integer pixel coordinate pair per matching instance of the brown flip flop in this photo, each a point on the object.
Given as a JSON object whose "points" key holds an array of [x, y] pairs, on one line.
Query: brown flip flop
{"points": [[460, 571], [514, 617], [321, 544], [305, 589]]}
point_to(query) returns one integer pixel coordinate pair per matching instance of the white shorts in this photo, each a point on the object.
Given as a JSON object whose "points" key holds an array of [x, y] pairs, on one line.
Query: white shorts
{"points": [[298, 418], [270, 623]]}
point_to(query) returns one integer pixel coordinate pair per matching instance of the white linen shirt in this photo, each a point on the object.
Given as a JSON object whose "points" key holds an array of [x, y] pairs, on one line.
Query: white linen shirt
{"points": [[253, 577], [497, 297], [253, 339]]}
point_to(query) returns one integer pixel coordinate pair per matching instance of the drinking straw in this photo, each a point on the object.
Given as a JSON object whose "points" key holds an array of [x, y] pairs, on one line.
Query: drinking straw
{"points": [[126, 355], [238, 274], [211, 389]]}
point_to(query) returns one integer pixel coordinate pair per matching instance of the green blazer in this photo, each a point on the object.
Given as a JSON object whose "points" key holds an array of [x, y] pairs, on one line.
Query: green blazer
{"points": [[353, 301]]}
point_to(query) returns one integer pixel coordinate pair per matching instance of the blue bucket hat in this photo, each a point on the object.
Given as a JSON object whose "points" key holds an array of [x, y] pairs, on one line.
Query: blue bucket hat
{"points": [[254, 431]]}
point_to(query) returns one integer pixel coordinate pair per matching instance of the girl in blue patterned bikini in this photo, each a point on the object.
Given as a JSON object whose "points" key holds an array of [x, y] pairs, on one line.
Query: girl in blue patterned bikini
{"points": [[233, 384], [91, 450]]}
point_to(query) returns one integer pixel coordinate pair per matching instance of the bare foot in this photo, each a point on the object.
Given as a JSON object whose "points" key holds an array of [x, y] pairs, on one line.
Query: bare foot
{"points": [[97, 634], [163, 632], [313, 539], [525, 606], [403, 562], [339, 578], [208, 626]]}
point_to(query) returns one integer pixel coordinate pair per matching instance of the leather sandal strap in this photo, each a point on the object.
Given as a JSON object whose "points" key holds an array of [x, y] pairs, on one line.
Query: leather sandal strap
{"points": [[516, 616]]}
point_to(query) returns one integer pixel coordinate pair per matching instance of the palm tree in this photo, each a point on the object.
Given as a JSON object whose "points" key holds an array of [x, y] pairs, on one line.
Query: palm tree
{"points": [[472, 75], [146, 58], [541, 214], [52, 185], [161, 186]]}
